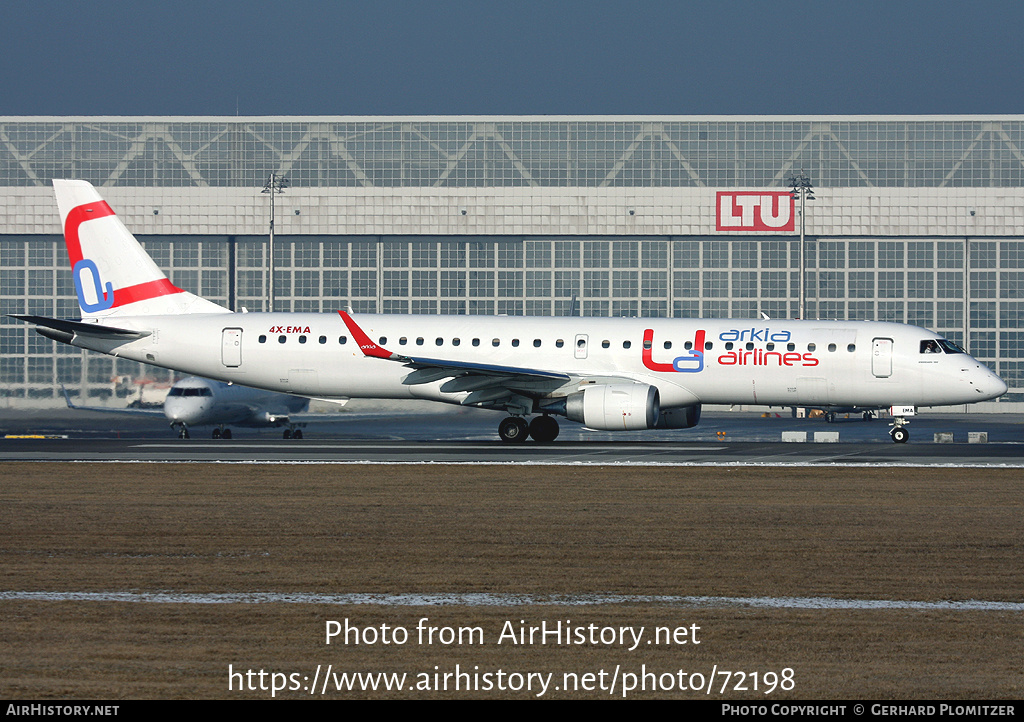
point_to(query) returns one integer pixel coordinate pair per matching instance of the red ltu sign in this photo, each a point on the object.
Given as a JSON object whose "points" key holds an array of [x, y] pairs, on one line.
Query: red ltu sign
{"points": [[755, 211]]}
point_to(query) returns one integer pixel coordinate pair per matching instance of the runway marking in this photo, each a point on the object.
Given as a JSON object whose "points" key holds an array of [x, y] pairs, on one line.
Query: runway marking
{"points": [[382, 448], [511, 600]]}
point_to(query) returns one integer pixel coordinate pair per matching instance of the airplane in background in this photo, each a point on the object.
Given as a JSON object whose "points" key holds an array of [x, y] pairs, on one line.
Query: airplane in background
{"points": [[606, 373], [194, 401]]}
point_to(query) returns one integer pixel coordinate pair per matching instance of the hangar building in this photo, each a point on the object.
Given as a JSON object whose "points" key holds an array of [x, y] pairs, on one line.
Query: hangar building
{"points": [[916, 219]]}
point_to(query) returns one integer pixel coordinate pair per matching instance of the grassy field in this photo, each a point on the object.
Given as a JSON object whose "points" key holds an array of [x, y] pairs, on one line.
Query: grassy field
{"points": [[893, 534]]}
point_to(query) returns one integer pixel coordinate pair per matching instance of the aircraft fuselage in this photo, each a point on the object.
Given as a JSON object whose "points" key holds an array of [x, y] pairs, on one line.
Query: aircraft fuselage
{"points": [[786, 363]]}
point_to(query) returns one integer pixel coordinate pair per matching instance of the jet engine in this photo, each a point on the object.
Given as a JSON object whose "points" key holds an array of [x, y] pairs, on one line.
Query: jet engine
{"points": [[615, 407], [683, 417]]}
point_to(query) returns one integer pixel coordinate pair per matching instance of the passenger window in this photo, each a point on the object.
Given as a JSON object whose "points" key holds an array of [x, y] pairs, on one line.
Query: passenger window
{"points": [[383, 340], [770, 347], [419, 341], [831, 347], [476, 342], [515, 342], [708, 345], [323, 339], [559, 343], [263, 338], [811, 347], [439, 342], [688, 345], [851, 348], [402, 341], [668, 345], [750, 345], [627, 344], [605, 343], [282, 339], [536, 343], [791, 347], [342, 339], [456, 342], [728, 346], [495, 342], [302, 339]]}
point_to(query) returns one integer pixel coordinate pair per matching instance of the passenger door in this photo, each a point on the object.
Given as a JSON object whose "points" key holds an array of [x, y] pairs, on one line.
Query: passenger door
{"points": [[231, 347], [881, 357]]}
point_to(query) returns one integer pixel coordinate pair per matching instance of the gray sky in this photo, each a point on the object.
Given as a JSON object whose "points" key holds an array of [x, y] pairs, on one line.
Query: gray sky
{"points": [[561, 57]]}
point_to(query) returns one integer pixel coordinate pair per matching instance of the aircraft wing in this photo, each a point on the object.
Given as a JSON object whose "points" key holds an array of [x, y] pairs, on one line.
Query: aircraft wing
{"points": [[487, 383], [107, 410]]}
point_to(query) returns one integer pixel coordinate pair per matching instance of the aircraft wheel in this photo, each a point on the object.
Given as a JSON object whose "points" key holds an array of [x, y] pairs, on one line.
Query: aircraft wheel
{"points": [[513, 429], [868, 416], [287, 433], [226, 434], [830, 418], [216, 433], [297, 434], [544, 428], [900, 435]]}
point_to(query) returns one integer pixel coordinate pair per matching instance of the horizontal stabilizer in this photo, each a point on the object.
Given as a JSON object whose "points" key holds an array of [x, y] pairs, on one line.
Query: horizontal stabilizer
{"points": [[83, 329]]}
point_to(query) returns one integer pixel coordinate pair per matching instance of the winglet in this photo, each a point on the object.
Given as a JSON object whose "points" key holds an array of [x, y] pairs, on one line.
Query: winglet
{"points": [[368, 347], [67, 397]]}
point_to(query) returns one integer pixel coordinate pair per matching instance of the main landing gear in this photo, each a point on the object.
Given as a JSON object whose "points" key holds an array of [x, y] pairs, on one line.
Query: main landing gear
{"points": [[515, 429], [290, 433], [221, 433]]}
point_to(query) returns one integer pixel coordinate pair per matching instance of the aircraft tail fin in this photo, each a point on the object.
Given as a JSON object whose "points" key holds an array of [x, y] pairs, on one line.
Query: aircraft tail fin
{"points": [[113, 274]]}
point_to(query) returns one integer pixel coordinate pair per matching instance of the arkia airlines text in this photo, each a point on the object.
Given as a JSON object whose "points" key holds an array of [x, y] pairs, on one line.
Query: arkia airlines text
{"points": [[606, 373]]}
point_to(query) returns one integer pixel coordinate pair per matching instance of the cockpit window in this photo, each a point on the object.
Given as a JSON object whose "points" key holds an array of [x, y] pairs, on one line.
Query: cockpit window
{"points": [[940, 345], [179, 391], [950, 347]]}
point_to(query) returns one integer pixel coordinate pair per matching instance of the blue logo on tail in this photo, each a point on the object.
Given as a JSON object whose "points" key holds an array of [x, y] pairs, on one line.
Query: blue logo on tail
{"points": [[104, 298]]}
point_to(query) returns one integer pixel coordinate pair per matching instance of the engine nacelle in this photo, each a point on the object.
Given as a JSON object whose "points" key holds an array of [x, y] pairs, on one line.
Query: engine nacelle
{"points": [[616, 407], [683, 417]]}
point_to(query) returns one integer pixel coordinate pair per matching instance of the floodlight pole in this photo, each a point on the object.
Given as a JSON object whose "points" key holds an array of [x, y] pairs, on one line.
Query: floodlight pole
{"points": [[801, 188], [275, 184]]}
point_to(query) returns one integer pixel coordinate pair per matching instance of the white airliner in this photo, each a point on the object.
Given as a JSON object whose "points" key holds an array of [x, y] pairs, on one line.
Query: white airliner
{"points": [[606, 373], [194, 401]]}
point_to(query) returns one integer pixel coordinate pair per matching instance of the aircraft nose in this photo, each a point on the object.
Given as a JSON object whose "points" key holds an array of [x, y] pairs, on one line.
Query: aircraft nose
{"points": [[988, 385], [180, 410]]}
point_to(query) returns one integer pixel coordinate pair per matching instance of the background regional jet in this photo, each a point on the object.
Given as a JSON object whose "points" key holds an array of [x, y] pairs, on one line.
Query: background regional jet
{"points": [[606, 373], [194, 401]]}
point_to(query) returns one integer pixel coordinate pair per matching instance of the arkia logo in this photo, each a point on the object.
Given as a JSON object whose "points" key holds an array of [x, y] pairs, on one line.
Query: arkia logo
{"points": [[755, 211], [691, 363]]}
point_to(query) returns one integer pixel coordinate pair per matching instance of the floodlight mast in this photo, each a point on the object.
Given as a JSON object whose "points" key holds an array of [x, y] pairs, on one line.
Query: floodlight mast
{"points": [[275, 184], [800, 188]]}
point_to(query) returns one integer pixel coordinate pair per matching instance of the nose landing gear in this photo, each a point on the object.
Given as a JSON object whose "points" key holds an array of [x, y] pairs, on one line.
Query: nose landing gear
{"points": [[899, 432]]}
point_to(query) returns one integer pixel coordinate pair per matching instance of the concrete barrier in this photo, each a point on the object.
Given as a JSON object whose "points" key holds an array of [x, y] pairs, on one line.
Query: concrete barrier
{"points": [[944, 437], [794, 436], [826, 437], [977, 437]]}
